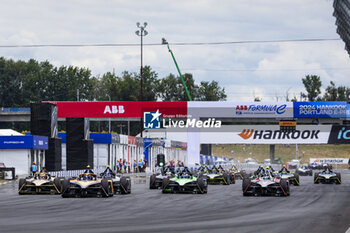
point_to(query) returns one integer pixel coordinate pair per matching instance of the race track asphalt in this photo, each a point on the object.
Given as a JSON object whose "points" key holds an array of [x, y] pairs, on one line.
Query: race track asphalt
{"points": [[310, 208]]}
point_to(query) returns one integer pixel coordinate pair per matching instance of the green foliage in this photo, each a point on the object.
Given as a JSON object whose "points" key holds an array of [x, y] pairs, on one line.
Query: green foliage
{"points": [[312, 84], [211, 91], [334, 93], [171, 88], [23, 82]]}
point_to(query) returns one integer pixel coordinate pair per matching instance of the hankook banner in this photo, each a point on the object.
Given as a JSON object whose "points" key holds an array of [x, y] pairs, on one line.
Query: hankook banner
{"points": [[266, 134]]}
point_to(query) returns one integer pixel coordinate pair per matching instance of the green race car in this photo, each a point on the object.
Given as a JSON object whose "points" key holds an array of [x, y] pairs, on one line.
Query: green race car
{"points": [[185, 182]]}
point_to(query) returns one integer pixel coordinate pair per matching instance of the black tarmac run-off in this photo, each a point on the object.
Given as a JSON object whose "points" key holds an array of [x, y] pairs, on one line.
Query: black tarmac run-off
{"points": [[310, 208]]}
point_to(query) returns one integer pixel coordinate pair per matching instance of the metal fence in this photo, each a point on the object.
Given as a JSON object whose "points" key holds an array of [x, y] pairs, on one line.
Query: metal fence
{"points": [[72, 173]]}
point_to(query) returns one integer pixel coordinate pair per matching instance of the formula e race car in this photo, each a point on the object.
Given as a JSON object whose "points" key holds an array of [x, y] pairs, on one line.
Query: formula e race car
{"points": [[216, 176], [265, 185], [185, 182], [304, 170], [156, 180], [327, 177], [236, 173], [292, 177], [87, 185], [315, 166], [40, 183], [121, 184]]}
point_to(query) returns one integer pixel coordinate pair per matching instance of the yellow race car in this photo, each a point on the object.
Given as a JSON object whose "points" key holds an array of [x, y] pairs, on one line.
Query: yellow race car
{"points": [[87, 184], [40, 183]]}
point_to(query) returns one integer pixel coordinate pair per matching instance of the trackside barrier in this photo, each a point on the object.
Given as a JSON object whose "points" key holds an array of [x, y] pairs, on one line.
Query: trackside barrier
{"points": [[72, 173], [252, 167]]}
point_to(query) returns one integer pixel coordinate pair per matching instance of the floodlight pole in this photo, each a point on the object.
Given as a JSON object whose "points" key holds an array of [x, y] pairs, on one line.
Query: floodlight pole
{"points": [[178, 69], [142, 32]]}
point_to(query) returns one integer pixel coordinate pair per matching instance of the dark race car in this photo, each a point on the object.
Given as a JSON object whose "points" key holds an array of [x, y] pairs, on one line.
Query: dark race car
{"points": [[40, 183], [327, 177], [265, 185], [87, 185], [185, 182], [156, 180]]}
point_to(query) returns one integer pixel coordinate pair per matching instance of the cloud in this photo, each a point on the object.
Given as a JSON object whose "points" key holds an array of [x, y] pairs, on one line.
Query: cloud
{"points": [[266, 70]]}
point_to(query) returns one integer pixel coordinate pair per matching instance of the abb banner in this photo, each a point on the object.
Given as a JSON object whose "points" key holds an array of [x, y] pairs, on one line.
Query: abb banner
{"points": [[120, 109], [266, 134]]}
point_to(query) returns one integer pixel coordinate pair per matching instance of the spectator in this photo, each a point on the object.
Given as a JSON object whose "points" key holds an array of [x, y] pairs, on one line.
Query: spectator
{"points": [[118, 167], [121, 165], [135, 166], [139, 165], [125, 165], [34, 168], [144, 165]]}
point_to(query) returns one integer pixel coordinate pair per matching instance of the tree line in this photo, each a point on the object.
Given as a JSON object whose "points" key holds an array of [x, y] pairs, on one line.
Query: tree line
{"points": [[313, 84], [22, 82]]}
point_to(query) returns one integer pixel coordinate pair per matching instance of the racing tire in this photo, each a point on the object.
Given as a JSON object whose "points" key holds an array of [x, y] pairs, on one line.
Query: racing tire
{"points": [[57, 183], [338, 181], [316, 180], [232, 178], [125, 185], [21, 182], [296, 179], [106, 186], [65, 188], [227, 180], [202, 185], [165, 182], [152, 182], [245, 185], [285, 187]]}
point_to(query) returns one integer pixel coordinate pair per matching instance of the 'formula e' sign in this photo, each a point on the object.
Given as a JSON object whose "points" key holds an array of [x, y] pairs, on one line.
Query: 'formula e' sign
{"points": [[319, 109]]}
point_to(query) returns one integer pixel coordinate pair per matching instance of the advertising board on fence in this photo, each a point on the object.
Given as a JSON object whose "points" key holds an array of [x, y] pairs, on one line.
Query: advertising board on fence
{"points": [[340, 134], [330, 160], [266, 134], [241, 109], [320, 109]]}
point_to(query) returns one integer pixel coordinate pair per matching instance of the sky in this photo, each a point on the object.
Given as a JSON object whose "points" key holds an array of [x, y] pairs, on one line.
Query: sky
{"points": [[270, 71]]}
